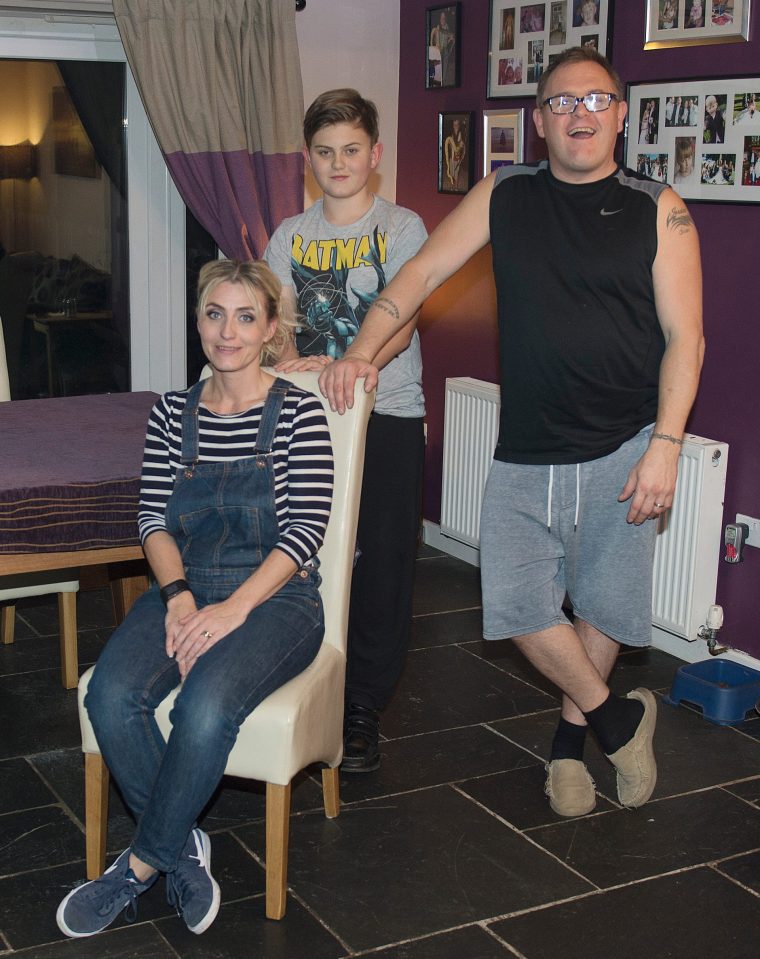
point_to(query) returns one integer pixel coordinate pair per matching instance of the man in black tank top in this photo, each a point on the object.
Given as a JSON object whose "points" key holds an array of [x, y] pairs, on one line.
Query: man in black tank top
{"points": [[599, 311]]}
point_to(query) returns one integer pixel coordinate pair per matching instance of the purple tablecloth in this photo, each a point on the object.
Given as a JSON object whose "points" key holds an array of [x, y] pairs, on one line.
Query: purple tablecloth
{"points": [[70, 471]]}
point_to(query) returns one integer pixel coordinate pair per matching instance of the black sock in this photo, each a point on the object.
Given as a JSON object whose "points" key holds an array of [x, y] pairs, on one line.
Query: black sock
{"points": [[615, 722], [569, 740]]}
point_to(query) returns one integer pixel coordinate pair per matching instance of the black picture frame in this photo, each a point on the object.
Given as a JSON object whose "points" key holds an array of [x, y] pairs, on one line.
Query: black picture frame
{"points": [[456, 159], [524, 37], [701, 136], [442, 46]]}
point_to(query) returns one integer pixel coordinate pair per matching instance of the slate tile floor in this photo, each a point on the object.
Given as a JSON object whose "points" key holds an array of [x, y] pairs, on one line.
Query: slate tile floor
{"points": [[449, 851]]}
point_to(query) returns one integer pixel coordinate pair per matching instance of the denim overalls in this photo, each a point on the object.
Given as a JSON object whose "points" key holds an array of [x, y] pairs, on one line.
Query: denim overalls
{"points": [[222, 516]]}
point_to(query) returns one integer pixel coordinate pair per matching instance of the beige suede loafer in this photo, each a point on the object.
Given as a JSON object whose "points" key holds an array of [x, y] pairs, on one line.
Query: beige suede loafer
{"points": [[569, 787], [635, 762]]}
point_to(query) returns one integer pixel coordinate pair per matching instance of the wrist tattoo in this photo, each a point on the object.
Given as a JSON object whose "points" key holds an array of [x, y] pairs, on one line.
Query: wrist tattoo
{"points": [[680, 220], [668, 438], [383, 303]]}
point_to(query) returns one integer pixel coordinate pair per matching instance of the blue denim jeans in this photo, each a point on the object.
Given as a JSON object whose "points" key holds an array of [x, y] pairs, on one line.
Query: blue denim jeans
{"points": [[167, 784]]}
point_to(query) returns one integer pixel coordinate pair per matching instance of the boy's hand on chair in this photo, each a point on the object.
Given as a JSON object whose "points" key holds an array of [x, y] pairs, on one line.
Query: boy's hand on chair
{"points": [[304, 364]]}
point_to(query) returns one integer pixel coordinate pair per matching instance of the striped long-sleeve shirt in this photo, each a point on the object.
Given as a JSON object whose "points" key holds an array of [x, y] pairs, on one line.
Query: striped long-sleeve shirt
{"points": [[301, 457]]}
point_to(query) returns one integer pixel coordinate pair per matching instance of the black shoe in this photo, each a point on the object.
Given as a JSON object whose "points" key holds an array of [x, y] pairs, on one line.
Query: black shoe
{"points": [[361, 731]]}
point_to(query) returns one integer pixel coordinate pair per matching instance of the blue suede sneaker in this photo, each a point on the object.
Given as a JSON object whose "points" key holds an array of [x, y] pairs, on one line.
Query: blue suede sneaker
{"points": [[191, 888], [93, 906]]}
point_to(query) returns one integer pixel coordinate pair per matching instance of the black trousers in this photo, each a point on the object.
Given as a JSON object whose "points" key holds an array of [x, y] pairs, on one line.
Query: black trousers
{"points": [[380, 614]]}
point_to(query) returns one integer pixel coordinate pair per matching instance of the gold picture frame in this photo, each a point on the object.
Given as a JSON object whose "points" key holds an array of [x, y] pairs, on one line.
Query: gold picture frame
{"points": [[689, 23]]}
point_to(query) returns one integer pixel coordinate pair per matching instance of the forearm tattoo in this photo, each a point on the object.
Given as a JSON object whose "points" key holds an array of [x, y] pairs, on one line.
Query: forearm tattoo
{"points": [[680, 220], [383, 303]]}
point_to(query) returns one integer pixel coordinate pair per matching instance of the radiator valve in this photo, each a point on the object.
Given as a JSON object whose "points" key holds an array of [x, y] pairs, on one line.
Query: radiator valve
{"points": [[710, 629]]}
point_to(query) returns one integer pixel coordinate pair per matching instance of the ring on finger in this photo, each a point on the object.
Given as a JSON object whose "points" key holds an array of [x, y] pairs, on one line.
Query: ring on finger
{"points": [[206, 634]]}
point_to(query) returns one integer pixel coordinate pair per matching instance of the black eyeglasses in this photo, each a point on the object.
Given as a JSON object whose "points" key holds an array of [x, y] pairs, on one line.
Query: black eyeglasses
{"points": [[593, 102]]}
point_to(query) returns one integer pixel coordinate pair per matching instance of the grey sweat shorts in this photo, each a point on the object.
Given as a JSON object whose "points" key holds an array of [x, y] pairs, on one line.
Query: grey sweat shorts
{"points": [[548, 531]]}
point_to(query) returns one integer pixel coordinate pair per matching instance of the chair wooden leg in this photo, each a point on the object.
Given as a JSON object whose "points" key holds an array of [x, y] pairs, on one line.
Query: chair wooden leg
{"points": [[278, 825], [7, 623], [67, 624], [331, 791], [95, 813]]}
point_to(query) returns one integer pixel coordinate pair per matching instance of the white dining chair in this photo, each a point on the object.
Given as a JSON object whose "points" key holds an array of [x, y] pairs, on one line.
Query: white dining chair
{"points": [[20, 585], [302, 722]]}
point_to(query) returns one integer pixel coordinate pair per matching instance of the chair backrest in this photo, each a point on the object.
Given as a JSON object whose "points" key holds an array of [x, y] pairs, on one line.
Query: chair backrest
{"points": [[5, 386], [348, 433]]}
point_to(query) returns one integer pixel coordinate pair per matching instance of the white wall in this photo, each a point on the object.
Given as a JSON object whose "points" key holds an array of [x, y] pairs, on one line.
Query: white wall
{"points": [[354, 44]]}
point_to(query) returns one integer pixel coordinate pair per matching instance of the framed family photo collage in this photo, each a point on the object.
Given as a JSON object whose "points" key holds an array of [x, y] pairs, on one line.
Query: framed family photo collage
{"points": [[700, 136], [687, 23], [524, 38]]}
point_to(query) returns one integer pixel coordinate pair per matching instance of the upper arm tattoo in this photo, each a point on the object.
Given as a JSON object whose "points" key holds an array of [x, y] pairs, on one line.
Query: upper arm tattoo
{"points": [[679, 220], [383, 303]]}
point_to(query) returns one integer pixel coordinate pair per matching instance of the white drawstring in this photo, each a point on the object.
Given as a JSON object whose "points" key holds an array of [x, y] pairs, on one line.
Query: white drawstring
{"points": [[549, 499], [577, 496]]}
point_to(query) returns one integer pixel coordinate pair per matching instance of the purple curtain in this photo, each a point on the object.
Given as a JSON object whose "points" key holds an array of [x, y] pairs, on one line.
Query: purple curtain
{"points": [[221, 84]]}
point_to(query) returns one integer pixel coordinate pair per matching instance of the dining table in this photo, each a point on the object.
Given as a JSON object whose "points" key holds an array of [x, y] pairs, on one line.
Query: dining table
{"points": [[69, 490]]}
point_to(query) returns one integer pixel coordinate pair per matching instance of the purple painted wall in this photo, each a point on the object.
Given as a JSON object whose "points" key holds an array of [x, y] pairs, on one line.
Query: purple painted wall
{"points": [[458, 323]]}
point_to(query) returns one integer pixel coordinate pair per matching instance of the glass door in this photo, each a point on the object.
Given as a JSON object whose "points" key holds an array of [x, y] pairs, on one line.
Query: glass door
{"points": [[85, 192], [64, 269]]}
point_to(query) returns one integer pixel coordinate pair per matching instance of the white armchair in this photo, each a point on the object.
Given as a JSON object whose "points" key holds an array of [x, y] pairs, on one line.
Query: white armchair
{"points": [[302, 722]]}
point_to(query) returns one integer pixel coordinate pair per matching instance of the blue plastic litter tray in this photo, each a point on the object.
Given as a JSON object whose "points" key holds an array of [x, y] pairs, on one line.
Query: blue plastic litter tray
{"points": [[725, 690]]}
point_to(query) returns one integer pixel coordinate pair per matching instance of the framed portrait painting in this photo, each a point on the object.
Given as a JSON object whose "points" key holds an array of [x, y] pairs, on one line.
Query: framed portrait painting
{"points": [[442, 26], [687, 23], [700, 136], [455, 152], [502, 138], [524, 38]]}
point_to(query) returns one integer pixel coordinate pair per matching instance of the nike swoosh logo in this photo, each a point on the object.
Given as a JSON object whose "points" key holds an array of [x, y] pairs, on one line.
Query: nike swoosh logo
{"points": [[610, 212]]}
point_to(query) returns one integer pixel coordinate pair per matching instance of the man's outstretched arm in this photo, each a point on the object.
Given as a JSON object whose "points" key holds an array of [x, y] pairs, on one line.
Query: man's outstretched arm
{"points": [[464, 231]]}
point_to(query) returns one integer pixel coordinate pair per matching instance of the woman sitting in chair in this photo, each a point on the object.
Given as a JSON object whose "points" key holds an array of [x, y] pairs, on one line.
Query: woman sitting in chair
{"points": [[235, 498]]}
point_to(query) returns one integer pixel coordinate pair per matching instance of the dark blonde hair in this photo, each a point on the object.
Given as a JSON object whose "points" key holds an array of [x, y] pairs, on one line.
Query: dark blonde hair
{"points": [[255, 277], [341, 106], [579, 55]]}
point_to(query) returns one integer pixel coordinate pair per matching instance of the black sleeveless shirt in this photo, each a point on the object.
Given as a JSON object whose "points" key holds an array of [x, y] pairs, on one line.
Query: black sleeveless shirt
{"points": [[580, 342]]}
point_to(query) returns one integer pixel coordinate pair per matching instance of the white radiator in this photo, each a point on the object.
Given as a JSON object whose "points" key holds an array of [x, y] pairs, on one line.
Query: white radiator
{"points": [[470, 429], [688, 545], [689, 542]]}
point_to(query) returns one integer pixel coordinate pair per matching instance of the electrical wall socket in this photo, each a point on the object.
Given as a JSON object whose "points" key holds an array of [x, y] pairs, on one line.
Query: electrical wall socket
{"points": [[754, 529]]}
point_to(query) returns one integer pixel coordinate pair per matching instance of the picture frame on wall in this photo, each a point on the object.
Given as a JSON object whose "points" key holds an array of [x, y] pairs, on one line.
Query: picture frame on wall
{"points": [[502, 139], [700, 136], [688, 23], [442, 46], [525, 37], [455, 152], [73, 153]]}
